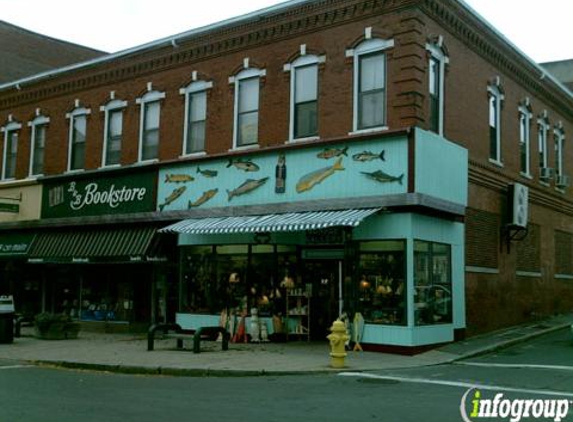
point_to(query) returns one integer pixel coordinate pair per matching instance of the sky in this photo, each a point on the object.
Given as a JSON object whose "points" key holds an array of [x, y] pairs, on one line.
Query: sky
{"points": [[539, 29]]}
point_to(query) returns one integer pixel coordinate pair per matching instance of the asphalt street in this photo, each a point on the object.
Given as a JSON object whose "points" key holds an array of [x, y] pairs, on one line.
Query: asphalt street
{"points": [[539, 369]]}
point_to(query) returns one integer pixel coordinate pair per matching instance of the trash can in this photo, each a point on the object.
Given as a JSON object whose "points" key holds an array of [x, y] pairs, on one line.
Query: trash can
{"points": [[6, 319]]}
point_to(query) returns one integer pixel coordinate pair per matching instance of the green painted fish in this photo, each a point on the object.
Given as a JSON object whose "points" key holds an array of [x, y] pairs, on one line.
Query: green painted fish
{"points": [[249, 186], [368, 156], [245, 165], [328, 153], [310, 180], [207, 173], [204, 198], [177, 192], [382, 177]]}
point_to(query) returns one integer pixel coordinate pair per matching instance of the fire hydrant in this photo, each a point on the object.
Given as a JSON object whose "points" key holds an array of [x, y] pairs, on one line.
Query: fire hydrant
{"points": [[338, 339]]}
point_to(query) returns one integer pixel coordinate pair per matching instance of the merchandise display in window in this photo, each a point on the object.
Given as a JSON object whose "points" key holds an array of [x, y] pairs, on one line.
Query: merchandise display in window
{"points": [[298, 312]]}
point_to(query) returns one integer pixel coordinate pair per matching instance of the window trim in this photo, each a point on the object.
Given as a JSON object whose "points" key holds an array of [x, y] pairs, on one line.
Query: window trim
{"points": [[302, 61], [112, 106], [524, 111], [39, 120], [367, 47], [437, 53], [559, 139], [495, 92], [543, 127], [195, 87], [10, 127], [245, 74], [151, 96], [75, 113]]}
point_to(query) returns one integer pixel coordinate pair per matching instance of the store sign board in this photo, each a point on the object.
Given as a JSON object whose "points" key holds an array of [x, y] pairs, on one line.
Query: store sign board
{"points": [[102, 196], [356, 168], [13, 208], [15, 244]]}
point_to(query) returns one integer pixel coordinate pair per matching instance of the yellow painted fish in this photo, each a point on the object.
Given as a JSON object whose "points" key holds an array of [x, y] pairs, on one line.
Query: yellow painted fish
{"points": [[177, 192], [308, 181], [204, 198], [328, 153], [178, 178], [246, 187], [382, 177]]}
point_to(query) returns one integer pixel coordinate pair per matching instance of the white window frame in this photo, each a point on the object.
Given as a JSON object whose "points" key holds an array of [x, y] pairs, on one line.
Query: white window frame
{"points": [[112, 106], [149, 97], [10, 127], [39, 120], [437, 53], [543, 127], [559, 139], [303, 60], [246, 73], [494, 92], [367, 47], [525, 116], [72, 116], [195, 87]]}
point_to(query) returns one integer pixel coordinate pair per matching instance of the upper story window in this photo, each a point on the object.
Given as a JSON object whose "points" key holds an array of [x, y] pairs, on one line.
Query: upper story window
{"points": [[436, 86], [495, 99], [559, 140], [304, 95], [11, 135], [112, 131], [77, 137], [370, 82], [246, 119], [542, 131], [524, 137], [149, 124], [39, 128], [195, 115]]}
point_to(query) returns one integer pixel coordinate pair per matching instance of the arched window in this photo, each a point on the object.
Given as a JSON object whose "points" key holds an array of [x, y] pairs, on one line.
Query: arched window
{"points": [[149, 124], [195, 115], [77, 137], [38, 143], [11, 135], [112, 131], [436, 74]]}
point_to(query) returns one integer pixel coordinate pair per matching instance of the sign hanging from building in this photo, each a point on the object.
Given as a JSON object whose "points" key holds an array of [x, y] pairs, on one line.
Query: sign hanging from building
{"points": [[102, 196]]}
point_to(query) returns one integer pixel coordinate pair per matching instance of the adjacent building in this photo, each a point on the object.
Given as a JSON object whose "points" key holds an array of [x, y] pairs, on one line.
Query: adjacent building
{"points": [[397, 162]]}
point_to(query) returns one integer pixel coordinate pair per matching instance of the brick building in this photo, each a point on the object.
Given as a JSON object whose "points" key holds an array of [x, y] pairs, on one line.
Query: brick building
{"points": [[399, 160]]}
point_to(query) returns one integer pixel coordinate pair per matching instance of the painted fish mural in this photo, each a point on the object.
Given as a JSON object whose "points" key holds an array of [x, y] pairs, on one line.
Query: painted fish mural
{"points": [[382, 177], [368, 156], [245, 165], [204, 198], [328, 153], [178, 178], [177, 192], [207, 173], [249, 186], [308, 181]]}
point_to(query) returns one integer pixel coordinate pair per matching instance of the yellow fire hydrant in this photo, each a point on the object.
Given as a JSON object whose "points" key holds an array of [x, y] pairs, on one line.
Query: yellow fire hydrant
{"points": [[338, 339]]}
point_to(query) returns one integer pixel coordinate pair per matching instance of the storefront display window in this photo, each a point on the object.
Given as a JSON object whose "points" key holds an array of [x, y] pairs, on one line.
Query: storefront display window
{"points": [[236, 278], [380, 281], [432, 283]]}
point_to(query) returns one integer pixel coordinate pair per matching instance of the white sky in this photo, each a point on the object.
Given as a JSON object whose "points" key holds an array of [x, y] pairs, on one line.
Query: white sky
{"points": [[539, 29]]}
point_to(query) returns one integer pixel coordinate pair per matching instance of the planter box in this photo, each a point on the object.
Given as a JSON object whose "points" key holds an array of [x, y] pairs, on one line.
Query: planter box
{"points": [[58, 331]]}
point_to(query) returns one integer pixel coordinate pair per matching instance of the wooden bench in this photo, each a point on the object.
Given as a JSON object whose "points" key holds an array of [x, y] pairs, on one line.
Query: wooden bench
{"points": [[175, 331]]}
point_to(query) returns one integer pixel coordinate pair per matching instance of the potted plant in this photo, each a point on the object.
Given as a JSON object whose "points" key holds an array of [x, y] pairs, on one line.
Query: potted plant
{"points": [[50, 326]]}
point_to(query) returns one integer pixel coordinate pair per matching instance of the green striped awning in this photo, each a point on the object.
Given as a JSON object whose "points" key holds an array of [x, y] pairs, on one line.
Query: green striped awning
{"points": [[288, 222], [92, 244]]}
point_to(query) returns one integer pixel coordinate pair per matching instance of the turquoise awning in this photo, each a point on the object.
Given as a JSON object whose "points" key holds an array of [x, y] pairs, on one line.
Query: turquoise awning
{"points": [[288, 222]]}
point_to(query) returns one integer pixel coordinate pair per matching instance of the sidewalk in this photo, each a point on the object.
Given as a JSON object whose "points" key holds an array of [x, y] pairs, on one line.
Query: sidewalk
{"points": [[127, 353]]}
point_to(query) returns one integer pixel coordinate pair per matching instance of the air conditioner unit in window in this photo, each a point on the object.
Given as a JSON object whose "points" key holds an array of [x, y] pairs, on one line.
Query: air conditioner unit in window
{"points": [[520, 210], [546, 174], [562, 181]]}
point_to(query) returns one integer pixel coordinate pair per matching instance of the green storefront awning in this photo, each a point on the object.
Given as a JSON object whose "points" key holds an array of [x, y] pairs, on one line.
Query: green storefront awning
{"points": [[97, 244], [15, 244], [288, 222]]}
